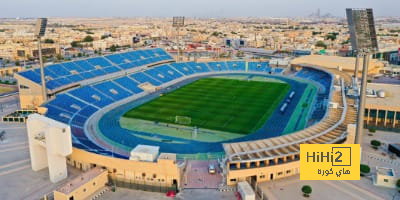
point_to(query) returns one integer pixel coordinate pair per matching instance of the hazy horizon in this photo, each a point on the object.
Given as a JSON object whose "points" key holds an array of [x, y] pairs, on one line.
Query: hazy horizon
{"points": [[203, 8]]}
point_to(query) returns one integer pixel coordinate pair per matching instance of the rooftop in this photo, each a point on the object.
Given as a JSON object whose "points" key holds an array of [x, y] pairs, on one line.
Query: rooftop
{"points": [[167, 156], [391, 100], [246, 187], [346, 63], [145, 149], [80, 180], [397, 146], [385, 171]]}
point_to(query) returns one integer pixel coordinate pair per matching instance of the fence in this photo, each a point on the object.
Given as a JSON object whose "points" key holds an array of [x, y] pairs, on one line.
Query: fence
{"points": [[140, 185], [201, 156]]}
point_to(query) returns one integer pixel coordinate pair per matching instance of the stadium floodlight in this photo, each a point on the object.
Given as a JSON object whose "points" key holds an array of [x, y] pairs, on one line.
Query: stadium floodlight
{"points": [[178, 22], [41, 27], [356, 68], [39, 33], [363, 41], [362, 29]]}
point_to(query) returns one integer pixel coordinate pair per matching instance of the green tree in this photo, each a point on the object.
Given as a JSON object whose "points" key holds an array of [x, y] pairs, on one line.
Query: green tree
{"points": [[316, 33], [398, 183], [365, 169], [345, 42], [307, 190], [375, 143], [75, 44], [59, 57], [331, 37], [79, 55], [49, 41], [88, 38], [113, 48], [240, 54], [215, 33], [17, 63], [44, 59], [321, 44]]}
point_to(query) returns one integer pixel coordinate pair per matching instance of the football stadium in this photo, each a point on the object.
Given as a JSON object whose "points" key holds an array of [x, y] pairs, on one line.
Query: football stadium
{"points": [[144, 117]]}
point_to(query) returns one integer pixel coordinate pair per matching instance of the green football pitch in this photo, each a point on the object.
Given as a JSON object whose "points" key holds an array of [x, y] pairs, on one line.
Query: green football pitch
{"points": [[229, 105]]}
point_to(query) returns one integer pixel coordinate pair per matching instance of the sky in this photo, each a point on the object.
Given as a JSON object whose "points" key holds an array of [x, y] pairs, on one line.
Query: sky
{"points": [[190, 8]]}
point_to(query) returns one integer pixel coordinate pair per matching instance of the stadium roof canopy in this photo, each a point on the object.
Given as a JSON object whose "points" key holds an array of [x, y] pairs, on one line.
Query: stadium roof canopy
{"points": [[346, 63], [258, 51]]}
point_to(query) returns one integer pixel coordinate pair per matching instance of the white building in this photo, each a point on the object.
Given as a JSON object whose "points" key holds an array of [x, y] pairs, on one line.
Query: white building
{"points": [[385, 177]]}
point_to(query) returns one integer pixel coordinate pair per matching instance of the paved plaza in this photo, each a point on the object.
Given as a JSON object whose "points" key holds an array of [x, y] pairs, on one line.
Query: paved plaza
{"points": [[16, 176], [191, 194], [290, 188], [197, 175], [381, 157]]}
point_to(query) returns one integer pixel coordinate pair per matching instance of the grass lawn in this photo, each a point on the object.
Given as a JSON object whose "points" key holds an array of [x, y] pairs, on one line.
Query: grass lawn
{"points": [[229, 105]]}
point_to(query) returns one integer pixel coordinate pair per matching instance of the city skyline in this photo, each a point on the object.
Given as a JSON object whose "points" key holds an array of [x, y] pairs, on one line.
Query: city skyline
{"points": [[205, 8]]}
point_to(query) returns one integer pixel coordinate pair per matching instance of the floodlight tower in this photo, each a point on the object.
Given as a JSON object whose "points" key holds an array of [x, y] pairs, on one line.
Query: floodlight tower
{"points": [[178, 22], [363, 40], [39, 33]]}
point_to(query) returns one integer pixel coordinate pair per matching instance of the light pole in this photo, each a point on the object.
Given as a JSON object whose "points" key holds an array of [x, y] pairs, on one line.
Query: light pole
{"points": [[363, 39], [356, 69], [178, 22], [363, 95], [40, 31]]}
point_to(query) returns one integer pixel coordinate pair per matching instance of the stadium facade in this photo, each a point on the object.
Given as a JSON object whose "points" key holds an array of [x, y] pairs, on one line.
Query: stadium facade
{"points": [[82, 91]]}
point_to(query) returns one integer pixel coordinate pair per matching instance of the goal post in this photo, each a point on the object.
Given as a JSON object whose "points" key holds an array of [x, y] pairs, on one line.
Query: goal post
{"points": [[184, 120]]}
